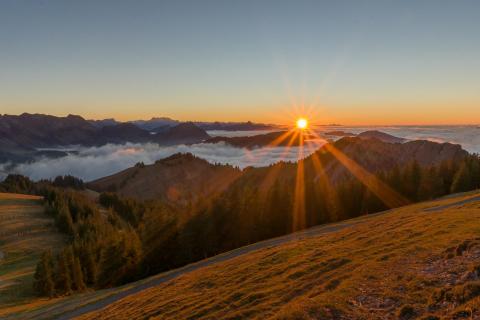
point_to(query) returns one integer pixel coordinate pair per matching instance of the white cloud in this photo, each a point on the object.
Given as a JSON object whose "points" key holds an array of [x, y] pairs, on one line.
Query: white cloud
{"points": [[466, 136], [96, 162]]}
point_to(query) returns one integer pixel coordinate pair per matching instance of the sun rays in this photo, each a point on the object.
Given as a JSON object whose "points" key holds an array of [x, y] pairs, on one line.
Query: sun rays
{"points": [[308, 142], [304, 135]]}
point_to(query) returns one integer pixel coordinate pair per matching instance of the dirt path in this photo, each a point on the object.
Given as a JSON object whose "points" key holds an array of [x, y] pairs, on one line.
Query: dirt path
{"points": [[451, 205], [156, 280]]}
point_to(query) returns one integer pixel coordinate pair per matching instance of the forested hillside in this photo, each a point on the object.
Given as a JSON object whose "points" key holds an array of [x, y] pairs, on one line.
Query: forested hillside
{"points": [[115, 239]]}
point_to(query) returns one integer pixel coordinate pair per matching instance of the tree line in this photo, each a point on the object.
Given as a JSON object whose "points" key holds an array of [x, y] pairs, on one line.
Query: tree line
{"points": [[102, 249], [244, 214]]}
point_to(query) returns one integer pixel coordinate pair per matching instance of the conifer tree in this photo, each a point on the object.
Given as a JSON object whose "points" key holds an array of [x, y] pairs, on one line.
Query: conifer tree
{"points": [[431, 184], [62, 275], [75, 269], [64, 220], [90, 269], [461, 180], [412, 180], [475, 172], [43, 278], [78, 282]]}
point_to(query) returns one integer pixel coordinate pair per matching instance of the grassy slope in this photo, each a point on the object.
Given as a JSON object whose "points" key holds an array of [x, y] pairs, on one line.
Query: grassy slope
{"points": [[25, 231], [372, 270]]}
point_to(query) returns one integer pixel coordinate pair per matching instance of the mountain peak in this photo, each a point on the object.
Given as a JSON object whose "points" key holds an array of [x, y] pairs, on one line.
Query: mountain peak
{"points": [[382, 136], [183, 133]]}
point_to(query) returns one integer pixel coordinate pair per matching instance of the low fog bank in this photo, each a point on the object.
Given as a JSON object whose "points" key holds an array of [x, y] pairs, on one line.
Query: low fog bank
{"points": [[466, 136], [96, 162]]}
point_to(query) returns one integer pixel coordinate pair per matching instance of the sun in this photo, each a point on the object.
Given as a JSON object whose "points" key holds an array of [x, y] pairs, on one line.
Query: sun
{"points": [[302, 123]]}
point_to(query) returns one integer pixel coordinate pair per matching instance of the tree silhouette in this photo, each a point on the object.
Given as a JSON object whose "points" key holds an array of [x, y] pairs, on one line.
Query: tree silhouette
{"points": [[43, 278]]}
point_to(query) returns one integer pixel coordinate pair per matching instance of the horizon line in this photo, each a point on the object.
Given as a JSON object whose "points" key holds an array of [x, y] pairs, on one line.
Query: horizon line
{"points": [[247, 121]]}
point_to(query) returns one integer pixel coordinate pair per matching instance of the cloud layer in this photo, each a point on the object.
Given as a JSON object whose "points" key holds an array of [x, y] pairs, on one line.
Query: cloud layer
{"points": [[466, 136], [96, 162]]}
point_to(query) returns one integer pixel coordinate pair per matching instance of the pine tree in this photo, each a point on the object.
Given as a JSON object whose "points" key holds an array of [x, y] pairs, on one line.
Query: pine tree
{"points": [[64, 220], [462, 180], [70, 260], [431, 184], [447, 172], [43, 278], [78, 282], [412, 180], [75, 269], [62, 275], [90, 269], [475, 173]]}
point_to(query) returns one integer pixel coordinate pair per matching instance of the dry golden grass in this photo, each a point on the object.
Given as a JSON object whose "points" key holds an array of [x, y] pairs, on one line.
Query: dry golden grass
{"points": [[15, 196], [25, 231], [378, 268]]}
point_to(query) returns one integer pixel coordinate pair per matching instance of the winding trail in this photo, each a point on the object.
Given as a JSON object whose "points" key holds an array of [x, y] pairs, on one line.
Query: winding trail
{"points": [[451, 205], [159, 279], [59, 312]]}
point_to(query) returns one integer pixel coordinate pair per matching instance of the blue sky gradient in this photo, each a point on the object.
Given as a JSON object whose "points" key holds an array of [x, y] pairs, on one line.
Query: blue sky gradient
{"points": [[354, 62]]}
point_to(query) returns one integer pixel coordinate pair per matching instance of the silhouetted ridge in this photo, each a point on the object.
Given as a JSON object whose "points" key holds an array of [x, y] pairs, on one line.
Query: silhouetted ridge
{"points": [[21, 135]]}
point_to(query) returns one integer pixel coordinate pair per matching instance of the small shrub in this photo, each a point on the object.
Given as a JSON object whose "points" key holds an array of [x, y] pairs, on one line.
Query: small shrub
{"points": [[466, 292], [332, 285], [462, 248], [406, 312], [462, 314], [140, 165], [450, 255], [438, 295], [476, 269]]}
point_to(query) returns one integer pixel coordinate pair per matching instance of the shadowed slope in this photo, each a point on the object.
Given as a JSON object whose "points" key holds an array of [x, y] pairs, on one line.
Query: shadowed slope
{"points": [[179, 179]]}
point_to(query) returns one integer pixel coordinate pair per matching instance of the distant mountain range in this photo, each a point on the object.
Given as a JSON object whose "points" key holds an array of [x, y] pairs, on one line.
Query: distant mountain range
{"points": [[23, 137], [274, 139], [28, 136], [283, 138], [163, 123]]}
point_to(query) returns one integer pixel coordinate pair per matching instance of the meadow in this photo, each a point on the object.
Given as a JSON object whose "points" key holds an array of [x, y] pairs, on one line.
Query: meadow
{"points": [[419, 261], [25, 231]]}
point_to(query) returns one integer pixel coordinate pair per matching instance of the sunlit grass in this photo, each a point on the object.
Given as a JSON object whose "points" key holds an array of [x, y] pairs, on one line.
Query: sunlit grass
{"points": [[25, 232], [377, 258]]}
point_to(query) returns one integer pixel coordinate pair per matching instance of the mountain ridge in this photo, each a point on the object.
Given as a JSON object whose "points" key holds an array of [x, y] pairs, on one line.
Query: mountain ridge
{"points": [[21, 136], [372, 154], [178, 179]]}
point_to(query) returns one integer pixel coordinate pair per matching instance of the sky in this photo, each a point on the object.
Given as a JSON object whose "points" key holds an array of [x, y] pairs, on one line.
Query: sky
{"points": [[349, 62]]}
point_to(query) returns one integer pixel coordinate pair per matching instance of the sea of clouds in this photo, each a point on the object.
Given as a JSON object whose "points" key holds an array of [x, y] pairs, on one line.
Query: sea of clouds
{"points": [[96, 162], [466, 136]]}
